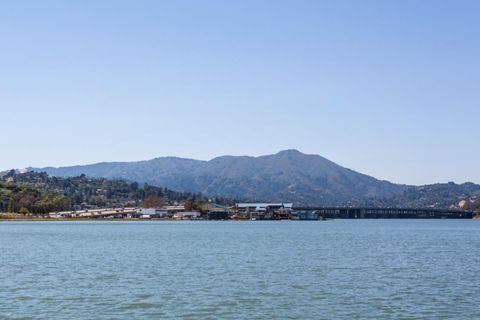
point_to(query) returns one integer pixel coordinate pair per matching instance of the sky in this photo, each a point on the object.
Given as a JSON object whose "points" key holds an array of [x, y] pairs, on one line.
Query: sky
{"points": [[387, 88]]}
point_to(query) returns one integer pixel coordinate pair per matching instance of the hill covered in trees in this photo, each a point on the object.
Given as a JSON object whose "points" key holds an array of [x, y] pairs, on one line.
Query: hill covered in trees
{"points": [[25, 199], [40, 193], [288, 176]]}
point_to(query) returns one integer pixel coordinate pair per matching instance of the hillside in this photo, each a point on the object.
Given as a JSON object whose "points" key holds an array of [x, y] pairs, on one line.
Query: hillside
{"points": [[40, 193], [26, 199], [288, 176], [439, 195]]}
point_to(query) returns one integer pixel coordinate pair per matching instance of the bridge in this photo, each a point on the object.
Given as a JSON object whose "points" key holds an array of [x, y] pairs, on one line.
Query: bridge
{"points": [[313, 213]]}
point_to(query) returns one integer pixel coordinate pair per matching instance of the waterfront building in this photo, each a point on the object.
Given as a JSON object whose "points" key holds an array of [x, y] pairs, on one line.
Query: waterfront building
{"points": [[146, 213], [212, 207], [262, 207], [187, 215], [175, 208], [262, 210]]}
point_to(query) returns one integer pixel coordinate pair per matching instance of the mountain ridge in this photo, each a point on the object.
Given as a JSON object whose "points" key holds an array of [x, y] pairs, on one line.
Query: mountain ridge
{"points": [[289, 176]]}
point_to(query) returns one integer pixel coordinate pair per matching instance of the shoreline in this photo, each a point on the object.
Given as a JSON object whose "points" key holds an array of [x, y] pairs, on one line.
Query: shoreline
{"points": [[200, 220]]}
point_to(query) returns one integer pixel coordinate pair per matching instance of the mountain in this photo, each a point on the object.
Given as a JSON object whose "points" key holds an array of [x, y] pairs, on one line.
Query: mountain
{"points": [[288, 176]]}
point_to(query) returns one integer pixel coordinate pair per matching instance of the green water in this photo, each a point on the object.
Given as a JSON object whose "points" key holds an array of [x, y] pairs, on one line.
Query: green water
{"points": [[341, 269]]}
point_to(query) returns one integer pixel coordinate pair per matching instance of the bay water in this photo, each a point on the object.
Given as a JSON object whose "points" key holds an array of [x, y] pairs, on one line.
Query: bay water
{"points": [[340, 269]]}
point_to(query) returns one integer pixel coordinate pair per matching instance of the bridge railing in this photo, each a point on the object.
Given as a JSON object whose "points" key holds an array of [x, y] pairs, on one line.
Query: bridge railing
{"points": [[384, 213]]}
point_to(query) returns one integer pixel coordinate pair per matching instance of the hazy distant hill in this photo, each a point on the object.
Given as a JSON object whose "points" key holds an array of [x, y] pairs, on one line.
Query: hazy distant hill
{"points": [[288, 176]]}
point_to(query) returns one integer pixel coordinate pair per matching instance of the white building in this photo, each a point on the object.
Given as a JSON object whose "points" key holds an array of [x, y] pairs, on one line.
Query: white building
{"points": [[262, 207], [188, 215], [146, 213]]}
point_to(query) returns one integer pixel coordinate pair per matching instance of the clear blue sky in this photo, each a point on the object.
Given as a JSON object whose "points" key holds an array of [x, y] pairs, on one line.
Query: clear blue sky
{"points": [[387, 88]]}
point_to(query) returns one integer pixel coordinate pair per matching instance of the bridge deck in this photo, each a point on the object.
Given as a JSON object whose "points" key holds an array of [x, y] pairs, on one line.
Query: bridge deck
{"points": [[372, 213]]}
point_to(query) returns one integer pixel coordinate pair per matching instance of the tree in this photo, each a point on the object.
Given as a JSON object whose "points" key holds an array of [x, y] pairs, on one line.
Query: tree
{"points": [[476, 205], [152, 201], [24, 211], [189, 205], [11, 206]]}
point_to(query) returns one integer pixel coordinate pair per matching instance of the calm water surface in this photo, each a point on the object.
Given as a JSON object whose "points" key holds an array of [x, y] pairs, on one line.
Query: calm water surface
{"points": [[342, 269]]}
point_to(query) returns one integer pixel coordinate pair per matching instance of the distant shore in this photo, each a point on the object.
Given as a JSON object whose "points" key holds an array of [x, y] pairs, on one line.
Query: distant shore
{"points": [[337, 214], [8, 217]]}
